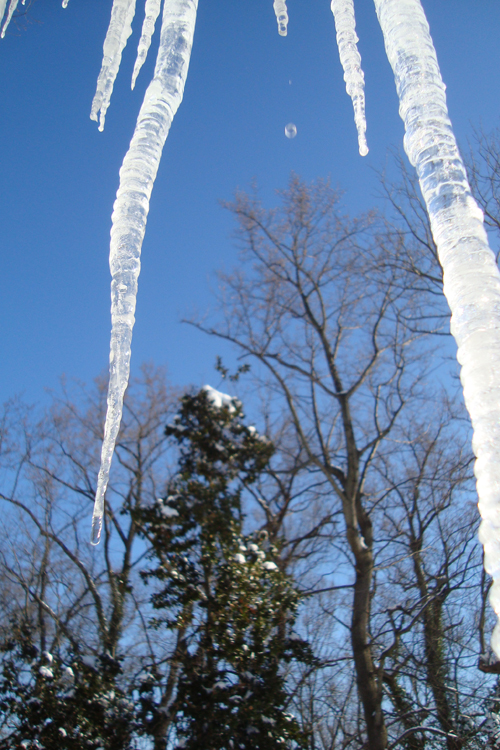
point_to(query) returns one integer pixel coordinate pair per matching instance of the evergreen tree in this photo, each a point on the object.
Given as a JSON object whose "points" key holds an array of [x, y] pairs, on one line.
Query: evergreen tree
{"points": [[50, 703], [222, 591]]}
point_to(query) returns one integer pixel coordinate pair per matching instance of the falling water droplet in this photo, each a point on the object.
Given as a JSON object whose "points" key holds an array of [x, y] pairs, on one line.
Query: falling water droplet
{"points": [[290, 130]]}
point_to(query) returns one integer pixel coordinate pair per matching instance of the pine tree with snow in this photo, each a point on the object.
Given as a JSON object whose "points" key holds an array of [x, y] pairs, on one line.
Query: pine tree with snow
{"points": [[51, 703], [224, 593]]}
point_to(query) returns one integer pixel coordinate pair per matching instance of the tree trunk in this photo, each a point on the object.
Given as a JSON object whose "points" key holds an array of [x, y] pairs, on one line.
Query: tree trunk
{"points": [[369, 689]]}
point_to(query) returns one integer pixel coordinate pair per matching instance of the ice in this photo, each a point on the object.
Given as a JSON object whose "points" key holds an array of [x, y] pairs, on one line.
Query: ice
{"points": [[137, 176], [350, 59], [168, 512], [12, 7], [151, 13], [218, 399], [270, 566], [290, 130], [46, 672], [119, 30], [64, 4], [281, 16], [471, 276], [3, 5]]}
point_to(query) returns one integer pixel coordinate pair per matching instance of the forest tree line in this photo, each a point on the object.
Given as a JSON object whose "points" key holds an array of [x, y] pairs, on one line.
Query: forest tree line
{"points": [[307, 577]]}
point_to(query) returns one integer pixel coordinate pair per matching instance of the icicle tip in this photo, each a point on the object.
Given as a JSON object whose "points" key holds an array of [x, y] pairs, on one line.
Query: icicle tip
{"points": [[95, 534], [363, 148]]}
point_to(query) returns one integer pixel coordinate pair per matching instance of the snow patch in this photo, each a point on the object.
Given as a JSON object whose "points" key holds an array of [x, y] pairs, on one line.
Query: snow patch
{"points": [[270, 565], [218, 399]]}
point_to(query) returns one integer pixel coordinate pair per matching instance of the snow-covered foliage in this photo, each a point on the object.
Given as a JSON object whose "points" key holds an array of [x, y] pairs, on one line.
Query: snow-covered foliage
{"points": [[221, 591], [218, 399], [41, 707]]}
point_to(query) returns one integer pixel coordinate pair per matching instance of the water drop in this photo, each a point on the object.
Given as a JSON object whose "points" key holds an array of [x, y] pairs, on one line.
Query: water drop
{"points": [[290, 130]]}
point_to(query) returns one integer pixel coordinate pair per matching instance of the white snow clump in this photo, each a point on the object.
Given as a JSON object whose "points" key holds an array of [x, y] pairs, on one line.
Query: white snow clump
{"points": [[218, 399], [270, 565]]}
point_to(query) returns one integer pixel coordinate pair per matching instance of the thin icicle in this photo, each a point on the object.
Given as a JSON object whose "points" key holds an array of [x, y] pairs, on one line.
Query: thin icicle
{"points": [[151, 13], [137, 175], [119, 30], [471, 276], [64, 3], [350, 59], [281, 16], [12, 7], [3, 5]]}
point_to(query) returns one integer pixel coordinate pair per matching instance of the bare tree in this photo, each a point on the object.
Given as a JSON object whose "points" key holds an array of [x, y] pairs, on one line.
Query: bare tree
{"points": [[338, 319], [483, 168], [84, 603]]}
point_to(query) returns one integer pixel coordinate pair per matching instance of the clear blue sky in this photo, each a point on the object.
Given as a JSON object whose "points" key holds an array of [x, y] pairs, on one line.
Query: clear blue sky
{"points": [[59, 175]]}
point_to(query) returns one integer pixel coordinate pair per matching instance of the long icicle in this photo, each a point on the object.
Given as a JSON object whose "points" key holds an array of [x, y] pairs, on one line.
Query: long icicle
{"points": [[119, 30], [281, 16], [3, 5], [151, 13], [137, 175], [12, 7], [350, 59], [471, 276]]}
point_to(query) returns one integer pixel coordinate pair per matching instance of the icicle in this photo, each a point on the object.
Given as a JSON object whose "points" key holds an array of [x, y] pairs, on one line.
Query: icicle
{"points": [[3, 4], [350, 59], [151, 13], [12, 7], [119, 30], [471, 276], [137, 175], [64, 3], [281, 16]]}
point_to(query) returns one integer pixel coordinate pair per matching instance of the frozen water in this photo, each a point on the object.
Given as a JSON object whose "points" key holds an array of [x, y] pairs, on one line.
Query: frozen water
{"points": [[12, 7], [471, 276], [290, 130], [130, 211], [64, 4], [166, 510], [151, 13], [218, 399], [119, 30], [270, 565], [281, 16], [350, 59]]}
